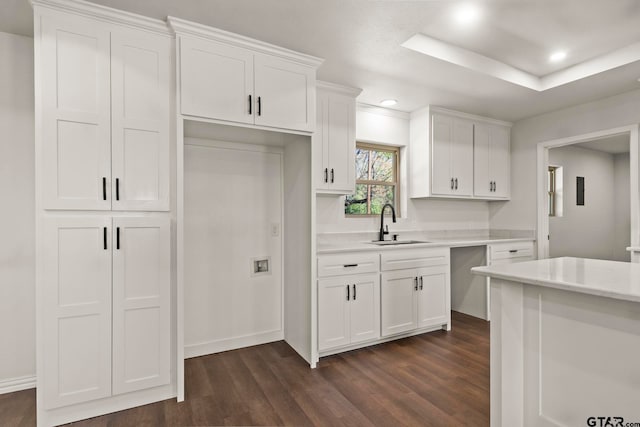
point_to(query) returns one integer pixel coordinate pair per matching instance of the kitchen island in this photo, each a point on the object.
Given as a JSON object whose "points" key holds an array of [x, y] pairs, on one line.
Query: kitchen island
{"points": [[565, 342]]}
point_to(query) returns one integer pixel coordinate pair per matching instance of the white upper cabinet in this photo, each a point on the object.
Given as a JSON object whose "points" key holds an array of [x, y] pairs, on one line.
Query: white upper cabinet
{"points": [[76, 112], [232, 78], [334, 141], [457, 155], [105, 115], [216, 80], [491, 161]]}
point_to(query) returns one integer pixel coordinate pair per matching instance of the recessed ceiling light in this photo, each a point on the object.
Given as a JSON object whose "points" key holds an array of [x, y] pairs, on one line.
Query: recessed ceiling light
{"points": [[388, 102], [558, 56], [467, 13]]}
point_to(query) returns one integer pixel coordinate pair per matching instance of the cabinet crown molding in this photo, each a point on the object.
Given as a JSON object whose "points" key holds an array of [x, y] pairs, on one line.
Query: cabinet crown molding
{"points": [[107, 14], [472, 117], [184, 27], [336, 88]]}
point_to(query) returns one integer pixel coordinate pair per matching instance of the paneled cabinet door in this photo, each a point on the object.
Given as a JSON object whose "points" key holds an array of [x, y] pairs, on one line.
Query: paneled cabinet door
{"points": [[140, 70], [76, 147], [284, 94], [397, 301], [452, 156], [341, 143], [491, 161], [76, 305], [365, 308], [333, 312], [432, 296], [216, 80], [141, 309]]}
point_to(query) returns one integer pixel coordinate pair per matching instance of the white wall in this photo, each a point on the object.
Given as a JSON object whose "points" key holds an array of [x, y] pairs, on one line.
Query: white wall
{"points": [[608, 113], [17, 216], [584, 231], [622, 214], [383, 126]]}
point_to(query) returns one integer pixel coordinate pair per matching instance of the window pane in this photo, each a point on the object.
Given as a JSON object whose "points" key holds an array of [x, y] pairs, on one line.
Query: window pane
{"points": [[381, 194], [382, 166], [362, 163], [356, 204]]}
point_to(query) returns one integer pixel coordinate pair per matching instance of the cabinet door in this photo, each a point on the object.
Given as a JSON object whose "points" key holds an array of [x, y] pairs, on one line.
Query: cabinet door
{"points": [[433, 296], [216, 80], [398, 302], [365, 308], [500, 161], [333, 312], [482, 186], [75, 131], [442, 141], [341, 140], [140, 83], [76, 307], [462, 157], [141, 310], [285, 94], [320, 143]]}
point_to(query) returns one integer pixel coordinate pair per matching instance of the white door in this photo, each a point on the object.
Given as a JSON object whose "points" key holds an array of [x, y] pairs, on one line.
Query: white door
{"points": [[141, 303], [500, 160], [432, 296], [333, 312], [483, 181], [76, 160], [442, 142], [76, 308], [285, 94], [364, 308], [462, 157], [216, 80], [398, 302], [341, 143], [140, 83]]}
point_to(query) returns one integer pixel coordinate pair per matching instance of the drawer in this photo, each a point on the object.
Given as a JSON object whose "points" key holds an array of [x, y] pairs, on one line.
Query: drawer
{"points": [[413, 258], [348, 263], [505, 251]]}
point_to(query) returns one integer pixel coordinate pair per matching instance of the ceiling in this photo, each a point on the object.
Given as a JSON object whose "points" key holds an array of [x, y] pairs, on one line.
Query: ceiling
{"points": [[616, 144], [361, 40]]}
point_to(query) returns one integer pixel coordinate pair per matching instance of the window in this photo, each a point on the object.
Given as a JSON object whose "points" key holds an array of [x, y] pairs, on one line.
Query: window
{"points": [[377, 183], [555, 190]]}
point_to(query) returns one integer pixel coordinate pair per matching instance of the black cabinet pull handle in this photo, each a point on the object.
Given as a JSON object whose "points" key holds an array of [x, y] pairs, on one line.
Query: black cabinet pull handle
{"points": [[513, 251], [250, 102], [117, 188], [421, 283], [494, 186], [350, 265], [259, 106], [104, 188], [415, 283], [332, 175], [104, 238], [452, 183], [456, 183], [354, 291], [326, 175], [118, 238], [348, 293]]}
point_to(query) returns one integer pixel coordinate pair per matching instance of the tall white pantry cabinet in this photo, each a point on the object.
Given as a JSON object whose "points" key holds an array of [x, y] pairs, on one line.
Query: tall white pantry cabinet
{"points": [[103, 109]]}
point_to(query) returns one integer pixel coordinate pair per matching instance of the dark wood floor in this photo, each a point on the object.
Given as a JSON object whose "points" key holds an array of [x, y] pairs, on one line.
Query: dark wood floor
{"points": [[435, 379]]}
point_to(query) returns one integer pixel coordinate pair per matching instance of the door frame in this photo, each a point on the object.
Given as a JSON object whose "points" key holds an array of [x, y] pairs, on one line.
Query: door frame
{"points": [[542, 165]]}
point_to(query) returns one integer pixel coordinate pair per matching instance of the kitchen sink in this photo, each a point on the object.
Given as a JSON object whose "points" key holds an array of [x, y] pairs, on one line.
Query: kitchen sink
{"points": [[397, 242]]}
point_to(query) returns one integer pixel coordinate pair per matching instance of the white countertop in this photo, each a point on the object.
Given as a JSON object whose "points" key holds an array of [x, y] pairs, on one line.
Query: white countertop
{"points": [[613, 279], [339, 247]]}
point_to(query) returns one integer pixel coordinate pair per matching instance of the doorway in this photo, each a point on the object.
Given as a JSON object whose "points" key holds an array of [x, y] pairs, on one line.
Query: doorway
{"points": [[588, 195]]}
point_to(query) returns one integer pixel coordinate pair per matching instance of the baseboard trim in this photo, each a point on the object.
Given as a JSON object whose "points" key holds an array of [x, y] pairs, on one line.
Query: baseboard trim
{"points": [[16, 384], [210, 347]]}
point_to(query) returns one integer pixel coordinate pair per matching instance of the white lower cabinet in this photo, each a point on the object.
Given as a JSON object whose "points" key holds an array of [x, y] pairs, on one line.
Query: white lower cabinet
{"points": [[105, 302], [414, 298], [348, 310]]}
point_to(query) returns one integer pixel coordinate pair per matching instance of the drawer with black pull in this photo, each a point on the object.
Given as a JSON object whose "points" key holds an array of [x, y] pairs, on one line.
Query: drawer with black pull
{"points": [[348, 263], [511, 250]]}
